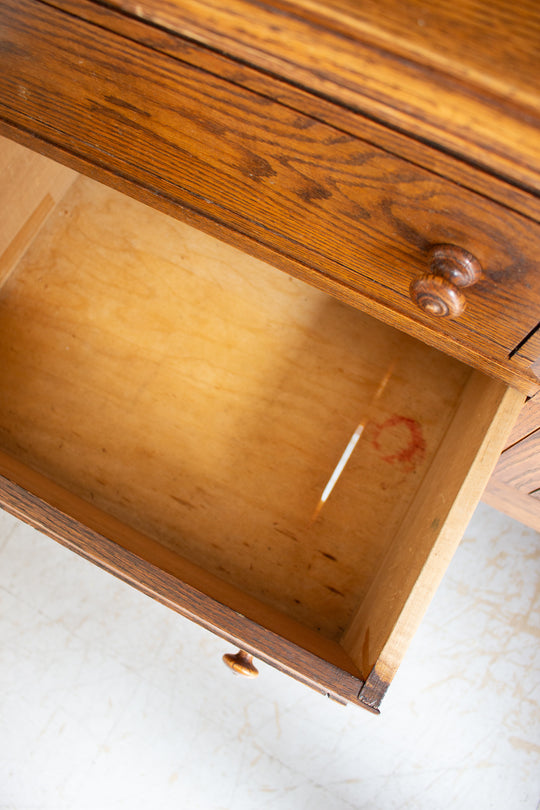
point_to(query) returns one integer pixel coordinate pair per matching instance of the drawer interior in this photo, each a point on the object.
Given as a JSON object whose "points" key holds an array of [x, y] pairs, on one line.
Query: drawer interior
{"points": [[247, 425]]}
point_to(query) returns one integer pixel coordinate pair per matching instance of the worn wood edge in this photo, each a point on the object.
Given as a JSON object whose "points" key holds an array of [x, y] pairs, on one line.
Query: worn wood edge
{"points": [[351, 66], [520, 379], [51, 509], [517, 505], [429, 535], [424, 155]]}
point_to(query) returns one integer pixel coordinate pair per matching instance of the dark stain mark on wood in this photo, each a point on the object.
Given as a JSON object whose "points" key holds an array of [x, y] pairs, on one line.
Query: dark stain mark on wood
{"points": [[182, 502], [287, 533], [334, 590]]}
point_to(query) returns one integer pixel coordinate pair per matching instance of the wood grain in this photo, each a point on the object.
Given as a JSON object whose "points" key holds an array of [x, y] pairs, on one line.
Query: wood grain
{"points": [[458, 75], [458, 39], [205, 399], [293, 96], [422, 548], [298, 202], [519, 465], [527, 422]]}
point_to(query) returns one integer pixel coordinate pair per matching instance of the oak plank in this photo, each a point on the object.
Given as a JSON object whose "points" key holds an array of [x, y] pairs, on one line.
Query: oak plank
{"points": [[476, 100], [291, 95], [501, 369]]}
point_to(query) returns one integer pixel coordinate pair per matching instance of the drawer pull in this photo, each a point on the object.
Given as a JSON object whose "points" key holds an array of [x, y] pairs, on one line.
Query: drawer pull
{"points": [[241, 664], [439, 293]]}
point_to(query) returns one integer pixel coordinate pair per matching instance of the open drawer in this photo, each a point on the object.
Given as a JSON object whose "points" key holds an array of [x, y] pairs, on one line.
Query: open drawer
{"points": [[273, 464]]}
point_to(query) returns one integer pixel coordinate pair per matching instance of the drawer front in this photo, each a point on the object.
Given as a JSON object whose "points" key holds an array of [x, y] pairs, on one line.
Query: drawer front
{"points": [[345, 212]]}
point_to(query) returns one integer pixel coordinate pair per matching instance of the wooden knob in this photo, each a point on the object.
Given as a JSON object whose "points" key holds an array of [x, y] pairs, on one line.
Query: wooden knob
{"points": [[456, 265], [438, 297], [439, 293], [241, 664]]}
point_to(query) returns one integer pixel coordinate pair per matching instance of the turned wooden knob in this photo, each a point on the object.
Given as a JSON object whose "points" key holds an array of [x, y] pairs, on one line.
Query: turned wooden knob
{"points": [[439, 292], [241, 664], [438, 297]]}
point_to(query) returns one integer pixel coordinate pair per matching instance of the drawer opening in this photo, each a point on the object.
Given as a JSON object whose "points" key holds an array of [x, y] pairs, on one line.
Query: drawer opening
{"points": [[232, 426]]}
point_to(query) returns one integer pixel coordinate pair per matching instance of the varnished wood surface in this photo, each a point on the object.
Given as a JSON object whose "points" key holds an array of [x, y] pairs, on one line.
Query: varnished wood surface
{"points": [[300, 214], [528, 354], [205, 399], [519, 465], [457, 38], [458, 75], [527, 422], [293, 96]]}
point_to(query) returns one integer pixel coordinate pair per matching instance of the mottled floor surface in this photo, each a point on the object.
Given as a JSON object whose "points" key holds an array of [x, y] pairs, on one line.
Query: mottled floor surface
{"points": [[109, 700]]}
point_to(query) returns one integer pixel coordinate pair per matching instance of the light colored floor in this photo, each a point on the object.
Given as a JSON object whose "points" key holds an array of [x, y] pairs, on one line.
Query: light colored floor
{"points": [[109, 700]]}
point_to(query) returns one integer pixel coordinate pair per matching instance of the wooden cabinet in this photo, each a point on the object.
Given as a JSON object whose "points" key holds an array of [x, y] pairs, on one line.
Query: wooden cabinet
{"points": [[263, 451]]}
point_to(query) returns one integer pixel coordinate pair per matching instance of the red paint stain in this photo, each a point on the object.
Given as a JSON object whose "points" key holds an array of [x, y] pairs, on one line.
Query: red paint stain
{"points": [[401, 440]]}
